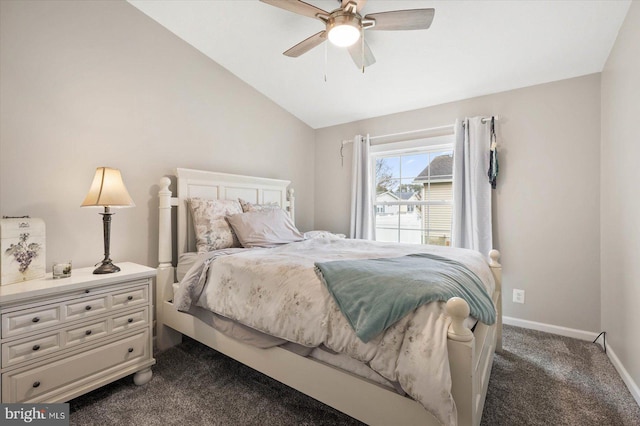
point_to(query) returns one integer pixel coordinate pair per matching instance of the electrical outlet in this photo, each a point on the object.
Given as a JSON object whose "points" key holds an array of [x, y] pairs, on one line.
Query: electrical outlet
{"points": [[518, 296]]}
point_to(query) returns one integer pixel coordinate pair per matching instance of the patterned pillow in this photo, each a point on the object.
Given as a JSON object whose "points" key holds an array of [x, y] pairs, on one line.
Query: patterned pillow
{"points": [[211, 228], [250, 207]]}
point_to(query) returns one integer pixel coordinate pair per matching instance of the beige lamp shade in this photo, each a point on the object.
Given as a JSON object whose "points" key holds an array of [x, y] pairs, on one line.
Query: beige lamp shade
{"points": [[107, 189]]}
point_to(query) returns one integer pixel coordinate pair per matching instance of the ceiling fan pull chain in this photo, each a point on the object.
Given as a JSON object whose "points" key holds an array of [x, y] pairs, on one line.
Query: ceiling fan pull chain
{"points": [[362, 45], [326, 47]]}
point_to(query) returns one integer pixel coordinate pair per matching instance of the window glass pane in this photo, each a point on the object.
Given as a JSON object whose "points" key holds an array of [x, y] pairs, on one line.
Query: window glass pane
{"points": [[385, 169], [411, 236], [386, 190], [419, 212], [440, 191], [438, 241], [408, 190], [387, 216], [388, 167], [441, 165], [409, 219], [387, 224], [413, 165], [439, 220]]}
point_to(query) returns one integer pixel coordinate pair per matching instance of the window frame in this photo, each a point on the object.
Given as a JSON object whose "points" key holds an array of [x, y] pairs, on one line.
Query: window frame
{"points": [[426, 145]]}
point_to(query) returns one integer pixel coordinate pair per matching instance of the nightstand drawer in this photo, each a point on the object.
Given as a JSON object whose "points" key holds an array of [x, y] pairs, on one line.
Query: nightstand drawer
{"points": [[21, 322], [85, 308], [123, 322], [130, 297], [86, 332], [41, 383], [26, 349]]}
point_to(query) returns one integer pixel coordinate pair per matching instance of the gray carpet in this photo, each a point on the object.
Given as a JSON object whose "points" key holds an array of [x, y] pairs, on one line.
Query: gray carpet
{"points": [[540, 379], [544, 379]]}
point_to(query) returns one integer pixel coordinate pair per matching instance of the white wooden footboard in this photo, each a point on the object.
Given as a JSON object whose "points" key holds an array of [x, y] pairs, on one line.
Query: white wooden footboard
{"points": [[470, 354]]}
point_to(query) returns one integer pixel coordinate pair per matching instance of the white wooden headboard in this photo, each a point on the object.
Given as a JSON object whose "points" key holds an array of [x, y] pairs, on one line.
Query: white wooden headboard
{"points": [[212, 186]]}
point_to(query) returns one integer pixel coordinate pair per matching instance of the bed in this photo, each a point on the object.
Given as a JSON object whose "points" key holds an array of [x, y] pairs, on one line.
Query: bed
{"points": [[470, 353]]}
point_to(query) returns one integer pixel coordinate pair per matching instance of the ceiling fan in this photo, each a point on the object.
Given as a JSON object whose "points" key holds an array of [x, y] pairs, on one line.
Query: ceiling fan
{"points": [[345, 26]]}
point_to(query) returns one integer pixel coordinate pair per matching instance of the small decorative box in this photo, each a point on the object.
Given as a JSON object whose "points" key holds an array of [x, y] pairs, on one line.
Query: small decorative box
{"points": [[22, 249]]}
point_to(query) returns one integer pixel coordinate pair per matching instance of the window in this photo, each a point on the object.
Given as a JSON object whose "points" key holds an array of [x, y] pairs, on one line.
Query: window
{"points": [[414, 192]]}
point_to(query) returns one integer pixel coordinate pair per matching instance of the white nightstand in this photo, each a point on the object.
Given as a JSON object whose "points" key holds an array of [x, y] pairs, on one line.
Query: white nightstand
{"points": [[62, 338]]}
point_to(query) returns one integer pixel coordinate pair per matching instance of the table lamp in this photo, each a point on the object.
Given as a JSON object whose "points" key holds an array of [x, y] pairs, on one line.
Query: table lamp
{"points": [[107, 190]]}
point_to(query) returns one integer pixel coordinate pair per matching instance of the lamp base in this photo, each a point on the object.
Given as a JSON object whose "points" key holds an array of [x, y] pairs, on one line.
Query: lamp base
{"points": [[106, 268]]}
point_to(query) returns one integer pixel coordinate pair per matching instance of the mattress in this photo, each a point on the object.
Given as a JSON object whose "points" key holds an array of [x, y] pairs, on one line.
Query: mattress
{"points": [[258, 339], [187, 260]]}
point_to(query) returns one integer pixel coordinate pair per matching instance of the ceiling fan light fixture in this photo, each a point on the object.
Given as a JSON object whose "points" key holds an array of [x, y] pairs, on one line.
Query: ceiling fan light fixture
{"points": [[343, 30], [345, 25]]}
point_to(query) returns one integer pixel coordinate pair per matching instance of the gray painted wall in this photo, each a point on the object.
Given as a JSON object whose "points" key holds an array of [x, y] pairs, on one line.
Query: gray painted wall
{"points": [[620, 204], [546, 205], [88, 84]]}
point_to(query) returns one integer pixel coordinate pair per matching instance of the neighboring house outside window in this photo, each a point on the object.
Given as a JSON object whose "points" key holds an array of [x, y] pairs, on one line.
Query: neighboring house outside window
{"points": [[437, 189], [387, 209], [414, 195]]}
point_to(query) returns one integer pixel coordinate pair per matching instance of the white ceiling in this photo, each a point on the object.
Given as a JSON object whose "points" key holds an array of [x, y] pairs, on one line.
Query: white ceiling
{"points": [[473, 48]]}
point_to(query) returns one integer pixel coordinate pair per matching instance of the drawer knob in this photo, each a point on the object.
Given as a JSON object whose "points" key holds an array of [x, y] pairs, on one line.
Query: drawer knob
{"points": [[129, 297], [36, 384], [130, 320], [88, 307], [88, 332], [36, 319], [36, 347], [87, 291], [130, 350]]}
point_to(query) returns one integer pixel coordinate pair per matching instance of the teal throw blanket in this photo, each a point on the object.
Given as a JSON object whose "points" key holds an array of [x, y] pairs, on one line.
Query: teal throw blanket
{"points": [[375, 293]]}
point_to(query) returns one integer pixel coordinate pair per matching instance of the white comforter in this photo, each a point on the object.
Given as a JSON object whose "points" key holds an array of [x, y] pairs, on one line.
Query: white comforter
{"points": [[276, 291]]}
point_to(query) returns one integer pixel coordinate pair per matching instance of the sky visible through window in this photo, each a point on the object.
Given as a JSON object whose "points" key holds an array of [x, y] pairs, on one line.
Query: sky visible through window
{"points": [[403, 169]]}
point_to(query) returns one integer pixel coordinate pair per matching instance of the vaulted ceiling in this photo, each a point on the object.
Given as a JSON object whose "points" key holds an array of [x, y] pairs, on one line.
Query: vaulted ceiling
{"points": [[473, 48]]}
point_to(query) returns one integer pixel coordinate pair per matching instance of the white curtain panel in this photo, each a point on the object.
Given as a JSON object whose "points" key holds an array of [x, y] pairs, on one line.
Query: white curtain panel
{"points": [[471, 187], [362, 220]]}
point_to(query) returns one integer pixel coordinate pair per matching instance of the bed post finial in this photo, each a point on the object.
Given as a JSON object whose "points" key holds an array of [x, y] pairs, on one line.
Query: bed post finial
{"points": [[164, 186], [458, 310], [164, 235], [494, 259]]}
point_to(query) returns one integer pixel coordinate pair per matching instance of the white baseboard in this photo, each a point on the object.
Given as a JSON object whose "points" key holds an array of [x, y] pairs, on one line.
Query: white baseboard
{"points": [[581, 335], [553, 329], [626, 377]]}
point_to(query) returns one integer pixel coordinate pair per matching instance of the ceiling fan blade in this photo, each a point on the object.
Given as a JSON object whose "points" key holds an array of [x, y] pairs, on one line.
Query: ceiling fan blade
{"points": [[355, 51], [359, 4], [412, 19], [297, 6], [306, 45]]}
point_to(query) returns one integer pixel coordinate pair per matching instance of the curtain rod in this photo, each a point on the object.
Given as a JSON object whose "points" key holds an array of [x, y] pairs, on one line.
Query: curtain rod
{"points": [[450, 126]]}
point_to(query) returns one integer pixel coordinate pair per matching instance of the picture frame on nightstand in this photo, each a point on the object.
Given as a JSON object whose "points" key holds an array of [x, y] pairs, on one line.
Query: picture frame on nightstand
{"points": [[22, 249]]}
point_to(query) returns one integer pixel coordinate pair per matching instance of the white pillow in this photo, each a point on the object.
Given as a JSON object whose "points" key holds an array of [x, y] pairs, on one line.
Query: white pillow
{"points": [[323, 234], [210, 225], [267, 228], [250, 207]]}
